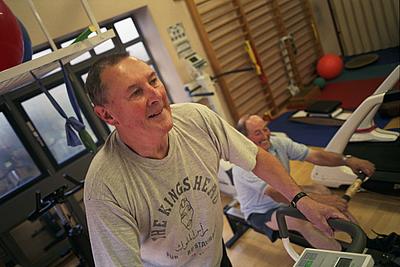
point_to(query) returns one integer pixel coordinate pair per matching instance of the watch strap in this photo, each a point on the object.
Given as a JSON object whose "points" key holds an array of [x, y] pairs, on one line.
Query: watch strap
{"points": [[296, 198]]}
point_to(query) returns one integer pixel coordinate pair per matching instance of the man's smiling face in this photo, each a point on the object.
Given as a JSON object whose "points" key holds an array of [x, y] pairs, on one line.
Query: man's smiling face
{"points": [[136, 100]]}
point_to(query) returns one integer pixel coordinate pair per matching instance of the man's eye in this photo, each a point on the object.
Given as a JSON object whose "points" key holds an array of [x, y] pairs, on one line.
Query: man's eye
{"points": [[136, 92], [154, 81]]}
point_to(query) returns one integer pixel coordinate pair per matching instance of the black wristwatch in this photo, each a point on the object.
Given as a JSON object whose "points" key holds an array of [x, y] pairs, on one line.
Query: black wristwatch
{"points": [[296, 198]]}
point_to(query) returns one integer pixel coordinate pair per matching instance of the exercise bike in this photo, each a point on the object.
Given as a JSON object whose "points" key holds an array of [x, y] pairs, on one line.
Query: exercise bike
{"points": [[77, 234], [355, 254]]}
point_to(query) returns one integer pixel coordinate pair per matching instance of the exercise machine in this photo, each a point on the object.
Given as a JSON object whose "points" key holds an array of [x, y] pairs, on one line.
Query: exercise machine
{"points": [[239, 225], [383, 255], [379, 146], [77, 235], [318, 257]]}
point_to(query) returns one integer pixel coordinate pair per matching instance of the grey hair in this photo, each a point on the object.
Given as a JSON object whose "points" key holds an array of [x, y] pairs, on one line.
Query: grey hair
{"points": [[241, 124], [94, 86]]}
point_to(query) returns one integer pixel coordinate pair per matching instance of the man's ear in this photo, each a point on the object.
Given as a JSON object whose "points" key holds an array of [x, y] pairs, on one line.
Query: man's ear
{"points": [[105, 115]]}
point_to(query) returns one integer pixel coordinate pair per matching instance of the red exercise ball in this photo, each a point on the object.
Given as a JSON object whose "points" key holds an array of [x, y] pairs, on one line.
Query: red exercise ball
{"points": [[11, 39], [329, 66]]}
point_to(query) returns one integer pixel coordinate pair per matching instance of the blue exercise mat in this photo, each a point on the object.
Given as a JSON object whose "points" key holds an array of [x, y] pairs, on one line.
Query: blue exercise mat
{"points": [[367, 72], [387, 56], [312, 135]]}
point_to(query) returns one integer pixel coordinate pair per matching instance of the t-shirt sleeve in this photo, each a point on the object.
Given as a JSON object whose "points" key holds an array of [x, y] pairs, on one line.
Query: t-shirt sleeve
{"points": [[114, 234], [231, 144], [294, 150]]}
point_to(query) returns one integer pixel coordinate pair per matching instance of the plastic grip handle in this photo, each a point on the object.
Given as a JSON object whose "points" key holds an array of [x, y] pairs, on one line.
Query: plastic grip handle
{"points": [[353, 188]]}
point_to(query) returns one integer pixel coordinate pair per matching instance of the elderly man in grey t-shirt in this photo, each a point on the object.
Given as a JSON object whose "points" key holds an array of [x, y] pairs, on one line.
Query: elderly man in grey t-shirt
{"points": [[259, 201], [151, 192]]}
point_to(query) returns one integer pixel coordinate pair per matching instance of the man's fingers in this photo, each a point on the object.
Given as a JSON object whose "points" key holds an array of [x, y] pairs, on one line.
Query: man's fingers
{"points": [[325, 228], [337, 215], [342, 207], [318, 214]]}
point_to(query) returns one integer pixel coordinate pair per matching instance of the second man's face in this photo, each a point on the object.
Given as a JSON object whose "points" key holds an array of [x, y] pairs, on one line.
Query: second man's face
{"points": [[258, 132]]}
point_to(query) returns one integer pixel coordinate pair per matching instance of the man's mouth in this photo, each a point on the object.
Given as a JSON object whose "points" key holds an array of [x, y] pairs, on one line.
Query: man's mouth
{"points": [[155, 114], [264, 142]]}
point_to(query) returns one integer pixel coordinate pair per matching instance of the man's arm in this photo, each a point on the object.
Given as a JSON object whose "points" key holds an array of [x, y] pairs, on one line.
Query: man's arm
{"points": [[275, 195], [328, 199], [326, 158], [270, 169], [114, 235]]}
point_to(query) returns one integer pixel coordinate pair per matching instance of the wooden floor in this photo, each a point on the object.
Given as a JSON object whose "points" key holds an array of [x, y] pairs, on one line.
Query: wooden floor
{"points": [[374, 211]]}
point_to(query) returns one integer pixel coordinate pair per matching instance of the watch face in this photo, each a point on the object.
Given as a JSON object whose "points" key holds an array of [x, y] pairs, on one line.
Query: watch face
{"points": [[346, 157]]}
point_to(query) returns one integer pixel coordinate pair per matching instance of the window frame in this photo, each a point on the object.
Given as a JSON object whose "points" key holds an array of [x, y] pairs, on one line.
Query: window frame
{"points": [[32, 91], [30, 151]]}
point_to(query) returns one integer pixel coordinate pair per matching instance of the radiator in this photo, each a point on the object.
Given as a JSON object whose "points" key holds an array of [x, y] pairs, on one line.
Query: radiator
{"points": [[366, 25]]}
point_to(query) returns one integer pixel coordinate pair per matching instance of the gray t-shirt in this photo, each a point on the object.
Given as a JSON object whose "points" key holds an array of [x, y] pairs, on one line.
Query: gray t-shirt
{"points": [[251, 189], [164, 212]]}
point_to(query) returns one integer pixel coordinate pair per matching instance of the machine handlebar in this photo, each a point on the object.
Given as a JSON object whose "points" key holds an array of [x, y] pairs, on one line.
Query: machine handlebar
{"points": [[57, 196], [359, 239]]}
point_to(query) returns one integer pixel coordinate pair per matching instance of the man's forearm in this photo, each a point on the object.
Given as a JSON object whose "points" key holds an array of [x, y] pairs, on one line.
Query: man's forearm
{"points": [[275, 195], [325, 158], [268, 168], [271, 170]]}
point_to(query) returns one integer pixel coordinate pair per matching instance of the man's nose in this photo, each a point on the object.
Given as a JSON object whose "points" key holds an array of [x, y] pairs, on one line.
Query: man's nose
{"points": [[154, 94]]}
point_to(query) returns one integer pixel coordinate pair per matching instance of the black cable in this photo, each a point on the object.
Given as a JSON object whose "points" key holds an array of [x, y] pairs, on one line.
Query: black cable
{"points": [[231, 72], [194, 89], [202, 94]]}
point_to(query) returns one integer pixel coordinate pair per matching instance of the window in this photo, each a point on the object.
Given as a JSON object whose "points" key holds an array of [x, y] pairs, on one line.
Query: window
{"points": [[50, 125], [139, 51], [126, 30], [16, 166]]}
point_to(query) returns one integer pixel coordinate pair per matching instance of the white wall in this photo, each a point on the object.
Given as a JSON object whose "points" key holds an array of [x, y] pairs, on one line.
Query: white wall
{"points": [[325, 26]]}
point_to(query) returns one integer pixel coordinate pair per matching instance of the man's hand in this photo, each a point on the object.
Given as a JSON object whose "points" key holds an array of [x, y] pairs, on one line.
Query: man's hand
{"points": [[318, 214], [358, 165], [332, 200]]}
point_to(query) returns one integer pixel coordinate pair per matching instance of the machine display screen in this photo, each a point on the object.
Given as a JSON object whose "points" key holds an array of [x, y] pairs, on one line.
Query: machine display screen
{"points": [[343, 262]]}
